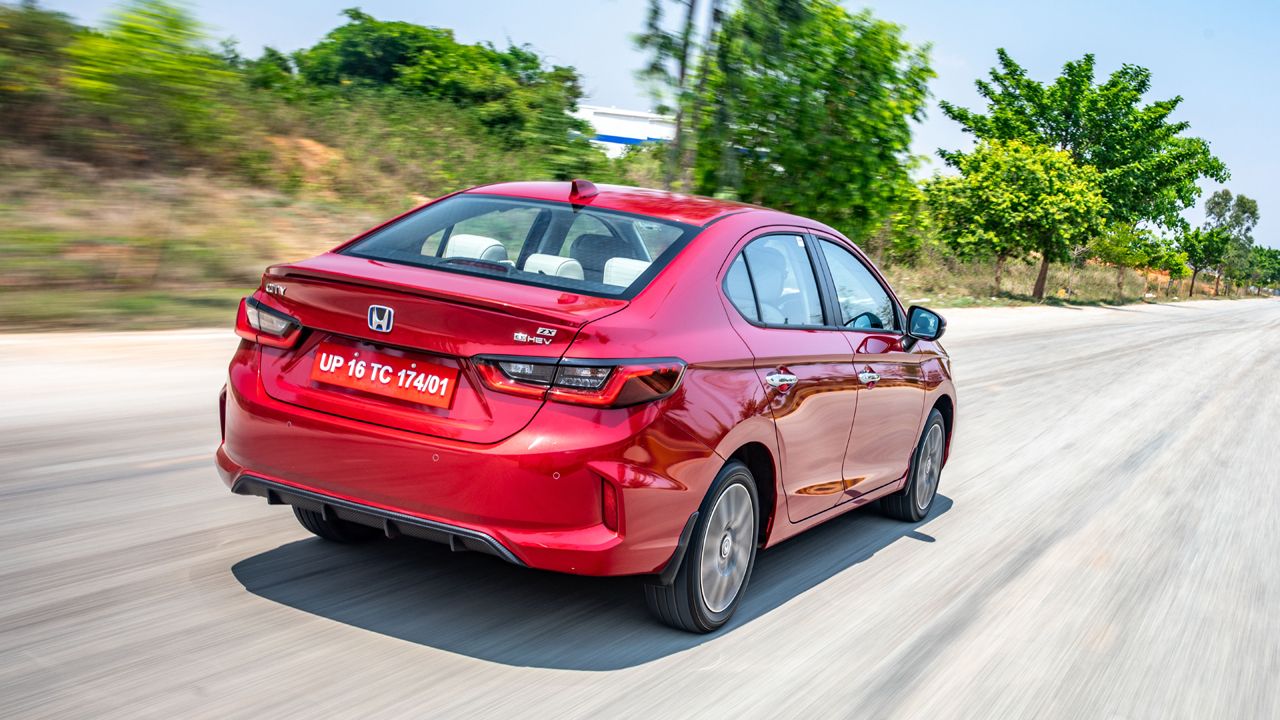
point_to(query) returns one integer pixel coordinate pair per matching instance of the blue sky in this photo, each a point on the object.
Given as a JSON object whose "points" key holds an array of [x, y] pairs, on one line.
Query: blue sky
{"points": [[1221, 57]]}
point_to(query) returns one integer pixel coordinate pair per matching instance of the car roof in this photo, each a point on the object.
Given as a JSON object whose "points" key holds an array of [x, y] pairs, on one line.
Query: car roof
{"points": [[688, 209]]}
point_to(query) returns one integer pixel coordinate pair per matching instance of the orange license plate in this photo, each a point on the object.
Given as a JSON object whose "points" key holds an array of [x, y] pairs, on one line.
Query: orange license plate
{"points": [[402, 378]]}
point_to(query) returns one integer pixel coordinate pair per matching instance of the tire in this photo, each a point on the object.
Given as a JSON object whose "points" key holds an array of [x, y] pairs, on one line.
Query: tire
{"points": [[709, 585], [913, 502], [334, 529]]}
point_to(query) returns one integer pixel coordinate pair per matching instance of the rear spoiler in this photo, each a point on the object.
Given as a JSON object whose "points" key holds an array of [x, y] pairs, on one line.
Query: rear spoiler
{"points": [[527, 301]]}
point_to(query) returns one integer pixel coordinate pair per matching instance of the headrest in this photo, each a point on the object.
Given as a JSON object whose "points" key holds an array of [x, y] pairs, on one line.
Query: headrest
{"points": [[475, 246], [623, 271], [553, 265]]}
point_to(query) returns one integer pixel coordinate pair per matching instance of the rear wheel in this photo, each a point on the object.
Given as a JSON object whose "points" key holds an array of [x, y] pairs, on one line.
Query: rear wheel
{"points": [[333, 528], [913, 502], [718, 560]]}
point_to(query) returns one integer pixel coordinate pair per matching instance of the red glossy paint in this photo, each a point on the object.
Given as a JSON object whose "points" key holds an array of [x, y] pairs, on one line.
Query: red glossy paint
{"points": [[575, 487]]}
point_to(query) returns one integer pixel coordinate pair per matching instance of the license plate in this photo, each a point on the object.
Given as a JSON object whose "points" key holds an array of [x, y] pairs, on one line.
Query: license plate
{"points": [[402, 378]]}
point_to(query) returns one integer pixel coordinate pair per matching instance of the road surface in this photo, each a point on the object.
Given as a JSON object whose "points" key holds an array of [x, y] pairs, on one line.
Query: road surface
{"points": [[1106, 545]]}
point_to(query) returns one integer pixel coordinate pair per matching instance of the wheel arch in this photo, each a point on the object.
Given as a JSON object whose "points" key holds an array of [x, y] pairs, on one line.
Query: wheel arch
{"points": [[946, 407], [759, 460]]}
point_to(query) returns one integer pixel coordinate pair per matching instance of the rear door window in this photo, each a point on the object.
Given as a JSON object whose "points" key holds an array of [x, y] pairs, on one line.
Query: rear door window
{"points": [[783, 281], [737, 285]]}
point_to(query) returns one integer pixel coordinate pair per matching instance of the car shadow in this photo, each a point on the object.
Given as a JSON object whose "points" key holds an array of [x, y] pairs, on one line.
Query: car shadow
{"points": [[479, 606]]}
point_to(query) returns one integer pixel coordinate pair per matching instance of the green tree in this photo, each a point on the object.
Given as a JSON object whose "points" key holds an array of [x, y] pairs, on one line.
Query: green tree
{"points": [[369, 50], [32, 59], [1148, 168], [1013, 200], [150, 86], [1235, 216], [511, 92], [1204, 249], [1172, 261], [809, 110], [272, 71], [1124, 247], [1264, 266]]}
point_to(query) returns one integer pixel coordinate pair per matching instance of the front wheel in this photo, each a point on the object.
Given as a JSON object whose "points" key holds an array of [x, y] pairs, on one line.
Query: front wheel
{"points": [[913, 502], [718, 561]]}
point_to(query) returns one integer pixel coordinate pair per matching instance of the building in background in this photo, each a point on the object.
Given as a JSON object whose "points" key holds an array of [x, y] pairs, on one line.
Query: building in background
{"points": [[616, 130]]}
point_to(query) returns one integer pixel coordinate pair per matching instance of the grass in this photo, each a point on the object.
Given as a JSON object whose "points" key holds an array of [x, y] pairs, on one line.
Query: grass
{"points": [[942, 283], [80, 248], [75, 308]]}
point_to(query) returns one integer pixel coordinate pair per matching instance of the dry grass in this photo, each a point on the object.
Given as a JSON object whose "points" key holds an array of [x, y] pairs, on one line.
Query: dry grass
{"points": [[67, 224], [948, 283], [80, 247]]}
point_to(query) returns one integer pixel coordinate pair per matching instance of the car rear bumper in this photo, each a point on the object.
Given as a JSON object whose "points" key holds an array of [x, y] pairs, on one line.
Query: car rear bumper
{"points": [[534, 498], [392, 523]]}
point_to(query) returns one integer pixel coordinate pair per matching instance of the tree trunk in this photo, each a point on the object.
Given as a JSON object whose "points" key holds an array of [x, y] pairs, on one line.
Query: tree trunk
{"points": [[1077, 259], [999, 270], [1192, 290], [1041, 279], [1216, 280], [682, 73], [689, 151]]}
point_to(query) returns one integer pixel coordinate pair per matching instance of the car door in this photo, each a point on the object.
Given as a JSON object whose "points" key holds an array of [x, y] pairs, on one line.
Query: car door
{"points": [[891, 391], [803, 360]]}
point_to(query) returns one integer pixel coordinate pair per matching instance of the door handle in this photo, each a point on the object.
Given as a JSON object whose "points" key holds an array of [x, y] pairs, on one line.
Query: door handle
{"points": [[782, 381], [869, 378]]}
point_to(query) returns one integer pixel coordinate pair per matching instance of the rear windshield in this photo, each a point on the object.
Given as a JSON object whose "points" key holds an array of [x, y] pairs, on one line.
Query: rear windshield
{"points": [[596, 252]]}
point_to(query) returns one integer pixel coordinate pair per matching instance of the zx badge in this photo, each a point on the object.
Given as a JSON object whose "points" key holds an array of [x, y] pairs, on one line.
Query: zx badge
{"points": [[543, 336]]}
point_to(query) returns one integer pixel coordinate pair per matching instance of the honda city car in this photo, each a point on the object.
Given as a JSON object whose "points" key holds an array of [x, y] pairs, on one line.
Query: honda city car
{"points": [[592, 380]]}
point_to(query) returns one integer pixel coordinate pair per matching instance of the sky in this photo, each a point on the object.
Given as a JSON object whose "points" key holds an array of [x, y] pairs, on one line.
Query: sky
{"points": [[1221, 57]]}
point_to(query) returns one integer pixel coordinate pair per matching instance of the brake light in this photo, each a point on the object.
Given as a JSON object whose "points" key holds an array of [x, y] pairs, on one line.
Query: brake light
{"points": [[516, 377], [261, 324], [599, 383]]}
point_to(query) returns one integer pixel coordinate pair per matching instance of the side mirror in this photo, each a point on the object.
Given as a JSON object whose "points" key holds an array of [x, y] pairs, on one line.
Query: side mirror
{"points": [[925, 324]]}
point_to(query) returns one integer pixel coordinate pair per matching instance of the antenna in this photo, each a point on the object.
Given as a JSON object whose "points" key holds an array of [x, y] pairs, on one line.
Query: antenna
{"points": [[582, 190]]}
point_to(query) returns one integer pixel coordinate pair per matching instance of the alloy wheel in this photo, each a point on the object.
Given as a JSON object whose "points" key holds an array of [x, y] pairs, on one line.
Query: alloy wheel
{"points": [[930, 467], [726, 547]]}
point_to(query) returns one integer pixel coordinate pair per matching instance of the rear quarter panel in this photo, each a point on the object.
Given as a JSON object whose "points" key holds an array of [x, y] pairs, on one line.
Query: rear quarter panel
{"points": [[683, 314]]}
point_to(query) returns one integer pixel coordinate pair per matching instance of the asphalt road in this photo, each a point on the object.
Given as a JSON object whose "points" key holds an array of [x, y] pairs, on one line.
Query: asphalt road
{"points": [[1107, 545]]}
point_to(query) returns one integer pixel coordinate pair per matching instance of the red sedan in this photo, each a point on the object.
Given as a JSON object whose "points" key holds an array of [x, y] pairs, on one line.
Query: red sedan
{"points": [[601, 381]]}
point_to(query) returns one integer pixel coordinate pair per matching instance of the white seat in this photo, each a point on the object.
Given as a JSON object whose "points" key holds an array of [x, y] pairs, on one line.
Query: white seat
{"points": [[622, 272], [544, 264], [475, 246]]}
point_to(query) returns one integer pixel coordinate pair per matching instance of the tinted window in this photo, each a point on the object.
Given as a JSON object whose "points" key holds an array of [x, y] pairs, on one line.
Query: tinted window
{"points": [[737, 285], [864, 304], [508, 226], [656, 237], [782, 277], [584, 225], [542, 243]]}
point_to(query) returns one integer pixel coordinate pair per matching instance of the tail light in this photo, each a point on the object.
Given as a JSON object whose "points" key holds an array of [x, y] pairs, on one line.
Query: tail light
{"points": [[599, 383], [261, 324]]}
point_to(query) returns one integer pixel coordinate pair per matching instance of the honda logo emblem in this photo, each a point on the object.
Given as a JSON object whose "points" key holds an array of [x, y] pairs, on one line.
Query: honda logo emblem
{"points": [[381, 318]]}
